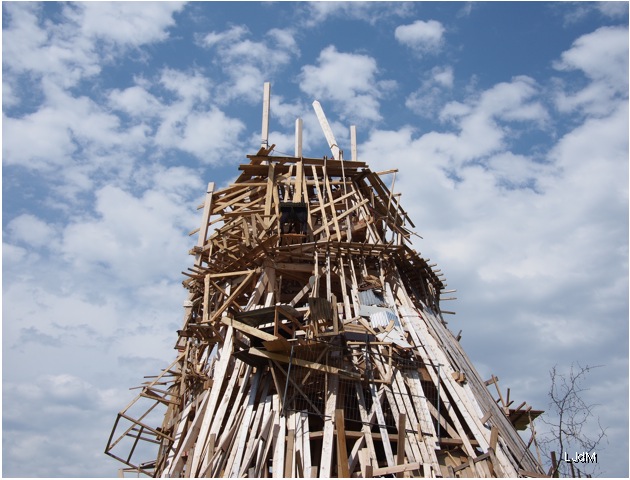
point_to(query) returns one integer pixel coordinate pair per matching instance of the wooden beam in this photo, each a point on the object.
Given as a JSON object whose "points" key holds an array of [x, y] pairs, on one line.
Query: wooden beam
{"points": [[265, 115], [205, 220], [328, 133], [406, 467], [248, 330], [402, 434], [494, 437], [342, 451], [303, 363], [298, 137], [332, 382]]}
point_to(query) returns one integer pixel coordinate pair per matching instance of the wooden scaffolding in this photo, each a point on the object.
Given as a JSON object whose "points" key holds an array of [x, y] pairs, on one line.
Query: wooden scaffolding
{"points": [[313, 342]]}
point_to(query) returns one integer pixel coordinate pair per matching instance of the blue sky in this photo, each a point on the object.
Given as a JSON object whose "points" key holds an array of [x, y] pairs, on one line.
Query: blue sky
{"points": [[508, 123]]}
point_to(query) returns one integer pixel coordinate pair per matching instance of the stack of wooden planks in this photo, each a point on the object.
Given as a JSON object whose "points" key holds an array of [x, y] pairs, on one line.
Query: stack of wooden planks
{"points": [[313, 344]]}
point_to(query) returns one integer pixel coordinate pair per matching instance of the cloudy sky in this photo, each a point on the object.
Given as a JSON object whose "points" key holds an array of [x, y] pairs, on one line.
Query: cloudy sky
{"points": [[508, 123]]}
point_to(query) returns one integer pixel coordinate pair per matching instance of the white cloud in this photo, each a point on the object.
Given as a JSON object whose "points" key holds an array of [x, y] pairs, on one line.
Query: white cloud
{"points": [[125, 23], [67, 51], [59, 54], [423, 37], [248, 63], [53, 148], [135, 101], [613, 9], [190, 87], [580, 11], [434, 91], [603, 57], [32, 231], [188, 121], [353, 96], [76, 137], [443, 76], [129, 236], [284, 38], [209, 134], [476, 121], [233, 34], [77, 410], [316, 13]]}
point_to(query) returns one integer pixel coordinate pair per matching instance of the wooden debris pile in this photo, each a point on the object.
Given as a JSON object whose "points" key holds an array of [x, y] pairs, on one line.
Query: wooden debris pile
{"points": [[313, 344]]}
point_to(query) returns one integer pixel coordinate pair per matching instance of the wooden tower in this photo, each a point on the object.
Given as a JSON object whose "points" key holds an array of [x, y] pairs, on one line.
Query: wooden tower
{"points": [[313, 343]]}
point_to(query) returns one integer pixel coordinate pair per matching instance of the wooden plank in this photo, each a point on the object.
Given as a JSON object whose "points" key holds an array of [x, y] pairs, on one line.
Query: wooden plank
{"points": [[265, 115], [298, 137], [289, 459], [307, 161], [406, 467], [176, 460], [300, 294], [299, 182], [496, 465], [263, 459], [253, 331], [270, 189], [220, 370], [262, 411], [353, 143], [364, 460], [205, 220], [494, 437], [332, 382], [306, 444], [342, 452], [278, 462], [357, 448], [328, 133], [228, 302], [402, 434], [416, 451], [380, 418], [224, 451], [320, 199], [333, 208], [426, 431], [430, 353], [230, 274], [303, 363], [245, 425], [366, 427]]}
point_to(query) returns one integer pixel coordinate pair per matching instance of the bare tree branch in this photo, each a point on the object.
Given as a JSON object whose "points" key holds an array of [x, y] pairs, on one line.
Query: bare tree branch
{"points": [[571, 420]]}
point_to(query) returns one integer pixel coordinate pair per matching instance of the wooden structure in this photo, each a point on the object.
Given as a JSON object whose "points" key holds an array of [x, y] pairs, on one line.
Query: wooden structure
{"points": [[313, 343]]}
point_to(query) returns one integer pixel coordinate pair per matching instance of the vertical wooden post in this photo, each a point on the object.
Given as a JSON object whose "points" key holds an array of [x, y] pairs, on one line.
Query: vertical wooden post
{"points": [[353, 142], [342, 451], [203, 230], [298, 137], [265, 115], [494, 437], [332, 382], [402, 435], [288, 461]]}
